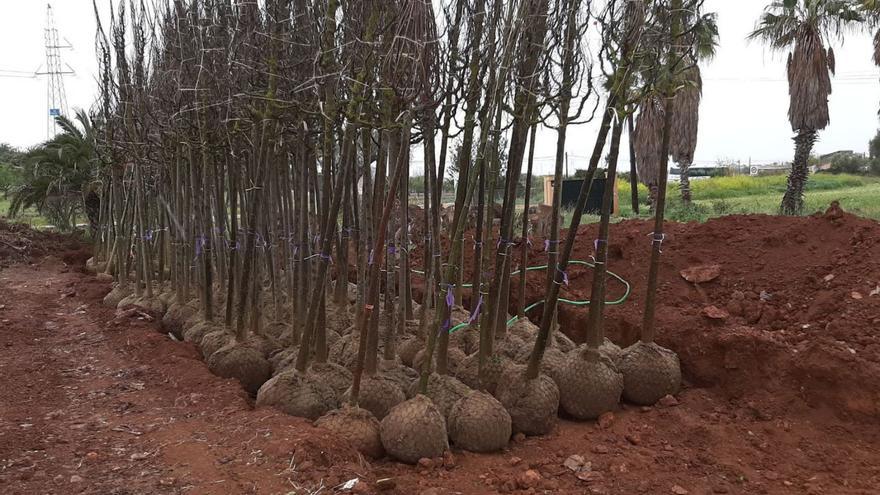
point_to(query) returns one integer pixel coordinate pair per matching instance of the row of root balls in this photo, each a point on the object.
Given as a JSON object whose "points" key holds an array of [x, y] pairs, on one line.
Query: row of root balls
{"points": [[391, 416]]}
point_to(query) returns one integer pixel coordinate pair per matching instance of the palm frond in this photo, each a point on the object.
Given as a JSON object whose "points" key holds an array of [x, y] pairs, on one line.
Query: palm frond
{"points": [[68, 126], [877, 48], [686, 117], [648, 138], [805, 27], [705, 36]]}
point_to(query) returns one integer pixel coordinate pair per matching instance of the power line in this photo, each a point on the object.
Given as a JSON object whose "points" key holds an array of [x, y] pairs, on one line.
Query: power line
{"points": [[17, 71]]}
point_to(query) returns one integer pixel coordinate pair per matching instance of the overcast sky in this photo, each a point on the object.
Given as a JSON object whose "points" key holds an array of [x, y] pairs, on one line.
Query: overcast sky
{"points": [[742, 117]]}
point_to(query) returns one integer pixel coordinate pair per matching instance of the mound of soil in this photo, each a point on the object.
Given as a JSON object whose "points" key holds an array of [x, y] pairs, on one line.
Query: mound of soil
{"points": [[792, 317], [21, 244]]}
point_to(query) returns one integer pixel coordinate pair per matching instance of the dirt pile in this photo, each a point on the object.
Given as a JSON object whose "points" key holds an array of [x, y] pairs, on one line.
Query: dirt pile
{"points": [[21, 244], [792, 316]]}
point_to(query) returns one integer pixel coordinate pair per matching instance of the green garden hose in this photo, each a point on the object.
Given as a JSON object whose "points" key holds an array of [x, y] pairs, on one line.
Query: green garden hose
{"points": [[622, 299]]}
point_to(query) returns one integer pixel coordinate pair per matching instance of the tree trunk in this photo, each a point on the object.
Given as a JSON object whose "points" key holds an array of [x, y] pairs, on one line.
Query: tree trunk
{"points": [[595, 329], [793, 201], [684, 184], [657, 236], [633, 171], [524, 256]]}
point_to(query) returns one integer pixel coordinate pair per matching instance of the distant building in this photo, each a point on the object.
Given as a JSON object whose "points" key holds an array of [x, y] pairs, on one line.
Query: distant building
{"points": [[827, 160]]}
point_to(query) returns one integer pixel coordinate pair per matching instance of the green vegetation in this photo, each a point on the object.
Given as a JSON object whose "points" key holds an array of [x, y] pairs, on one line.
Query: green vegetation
{"points": [[57, 178], [9, 158], [743, 185], [744, 194], [29, 216]]}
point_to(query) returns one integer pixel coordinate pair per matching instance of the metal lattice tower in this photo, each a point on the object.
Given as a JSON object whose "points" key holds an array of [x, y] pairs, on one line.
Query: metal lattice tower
{"points": [[56, 69]]}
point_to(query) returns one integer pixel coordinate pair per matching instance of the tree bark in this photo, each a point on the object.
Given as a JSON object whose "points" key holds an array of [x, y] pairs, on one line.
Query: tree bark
{"points": [[684, 184], [793, 201], [595, 323], [633, 170]]}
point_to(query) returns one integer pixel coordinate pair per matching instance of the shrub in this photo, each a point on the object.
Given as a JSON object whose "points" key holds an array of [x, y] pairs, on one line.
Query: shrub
{"points": [[850, 164]]}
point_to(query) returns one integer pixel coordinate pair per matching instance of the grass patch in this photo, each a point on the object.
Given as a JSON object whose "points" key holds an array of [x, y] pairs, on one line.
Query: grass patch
{"points": [[29, 216], [743, 185], [861, 200], [719, 196]]}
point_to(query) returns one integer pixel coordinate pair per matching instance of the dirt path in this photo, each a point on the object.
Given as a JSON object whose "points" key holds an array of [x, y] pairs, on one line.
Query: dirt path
{"points": [[93, 402]]}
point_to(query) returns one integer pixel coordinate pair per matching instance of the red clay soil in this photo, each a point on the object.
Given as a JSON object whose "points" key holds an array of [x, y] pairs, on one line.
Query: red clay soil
{"points": [[20, 244], [781, 396]]}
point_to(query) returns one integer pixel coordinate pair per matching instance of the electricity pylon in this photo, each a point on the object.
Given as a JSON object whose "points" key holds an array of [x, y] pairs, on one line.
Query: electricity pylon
{"points": [[56, 69]]}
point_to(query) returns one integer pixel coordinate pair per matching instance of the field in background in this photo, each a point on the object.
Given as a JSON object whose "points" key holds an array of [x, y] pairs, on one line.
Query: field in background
{"points": [[29, 216], [720, 196]]}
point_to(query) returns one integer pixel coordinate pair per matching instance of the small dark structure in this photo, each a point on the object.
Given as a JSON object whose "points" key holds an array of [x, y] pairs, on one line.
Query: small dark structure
{"points": [[571, 188]]}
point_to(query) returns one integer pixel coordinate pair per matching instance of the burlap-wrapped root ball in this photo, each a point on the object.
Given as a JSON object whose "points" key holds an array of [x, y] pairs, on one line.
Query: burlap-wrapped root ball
{"points": [[94, 265], [454, 359], [242, 362], [197, 332], [194, 319], [469, 371], [408, 348], [357, 426], [590, 384], [283, 359], [443, 390], [338, 319], [524, 329], [278, 330], [345, 350], [331, 337], [336, 376], [153, 305], [465, 339], [510, 346], [650, 372], [479, 423], [117, 294], [297, 394], [611, 350], [214, 341], [414, 429], [168, 298], [378, 394], [127, 301], [532, 404], [400, 373], [265, 344], [551, 362], [562, 342]]}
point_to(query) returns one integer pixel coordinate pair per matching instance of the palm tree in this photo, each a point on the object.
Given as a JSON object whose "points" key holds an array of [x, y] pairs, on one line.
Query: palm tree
{"points": [[804, 27], [872, 13], [702, 35], [699, 43], [647, 139], [58, 176]]}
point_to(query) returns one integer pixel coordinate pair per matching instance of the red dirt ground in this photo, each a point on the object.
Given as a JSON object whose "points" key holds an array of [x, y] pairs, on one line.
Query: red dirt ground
{"points": [[780, 398]]}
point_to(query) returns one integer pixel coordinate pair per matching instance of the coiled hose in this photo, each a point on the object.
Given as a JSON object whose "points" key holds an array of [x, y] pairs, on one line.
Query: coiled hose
{"points": [[622, 299]]}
